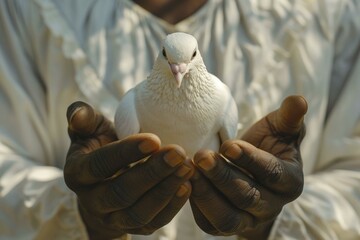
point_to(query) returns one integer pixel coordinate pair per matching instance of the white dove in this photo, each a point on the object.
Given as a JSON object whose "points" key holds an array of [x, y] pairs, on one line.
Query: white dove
{"points": [[180, 101]]}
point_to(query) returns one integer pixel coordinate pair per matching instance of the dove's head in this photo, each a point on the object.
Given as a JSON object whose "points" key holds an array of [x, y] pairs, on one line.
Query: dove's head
{"points": [[179, 54]]}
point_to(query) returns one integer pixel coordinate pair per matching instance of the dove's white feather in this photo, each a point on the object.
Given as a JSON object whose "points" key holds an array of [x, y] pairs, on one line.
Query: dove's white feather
{"points": [[199, 114], [126, 120]]}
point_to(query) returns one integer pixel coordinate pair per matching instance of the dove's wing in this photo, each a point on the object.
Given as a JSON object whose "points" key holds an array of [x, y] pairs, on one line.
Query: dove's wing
{"points": [[229, 118], [229, 127], [126, 120]]}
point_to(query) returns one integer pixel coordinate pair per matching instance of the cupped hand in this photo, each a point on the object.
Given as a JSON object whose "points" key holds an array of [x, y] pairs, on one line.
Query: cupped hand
{"points": [[114, 198], [242, 189]]}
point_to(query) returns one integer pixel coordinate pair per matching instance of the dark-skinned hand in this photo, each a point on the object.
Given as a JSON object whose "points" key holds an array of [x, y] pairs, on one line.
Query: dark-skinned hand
{"points": [[113, 198], [244, 195]]}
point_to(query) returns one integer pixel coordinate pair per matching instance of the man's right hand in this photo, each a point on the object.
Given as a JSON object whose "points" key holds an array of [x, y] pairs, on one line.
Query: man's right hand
{"points": [[113, 198]]}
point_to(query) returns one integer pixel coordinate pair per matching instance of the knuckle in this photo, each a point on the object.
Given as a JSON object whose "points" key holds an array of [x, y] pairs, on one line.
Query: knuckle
{"points": [[274, 171], [293, 183], [298, 186], [250, 198], [223, 176], [153, 173]]}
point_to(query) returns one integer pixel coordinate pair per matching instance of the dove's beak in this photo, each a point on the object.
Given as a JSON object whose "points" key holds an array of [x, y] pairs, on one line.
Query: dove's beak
{"points": [[179, 70]]}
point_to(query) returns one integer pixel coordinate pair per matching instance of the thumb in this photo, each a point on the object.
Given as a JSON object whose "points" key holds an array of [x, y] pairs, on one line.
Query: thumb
{"points": [[81, 118], [289, 118], [84, 122]]}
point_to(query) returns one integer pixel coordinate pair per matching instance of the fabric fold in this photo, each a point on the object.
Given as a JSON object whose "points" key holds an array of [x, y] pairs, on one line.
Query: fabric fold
{"points": [[86, 77]]}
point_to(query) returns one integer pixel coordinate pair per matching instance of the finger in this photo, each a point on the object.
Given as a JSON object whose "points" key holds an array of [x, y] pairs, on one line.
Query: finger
{"points": [[263, 215], [88, 168], [116, 219], [84, 122], [202, 221], [285, 125], [130, 186], [157, 206], [289, 118], [103, 199], [143, 213], [241, 190], [166, 214], [172, 208], [278, 175], [220, 213], [81, 118]]}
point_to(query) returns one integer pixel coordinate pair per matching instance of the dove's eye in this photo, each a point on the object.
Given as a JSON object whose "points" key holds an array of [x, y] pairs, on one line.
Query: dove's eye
{"points": [[164, 53], [194, 54]]}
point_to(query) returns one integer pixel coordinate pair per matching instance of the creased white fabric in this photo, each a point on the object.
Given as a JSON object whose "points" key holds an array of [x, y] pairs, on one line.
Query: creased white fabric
{"points": [[55, 52]]}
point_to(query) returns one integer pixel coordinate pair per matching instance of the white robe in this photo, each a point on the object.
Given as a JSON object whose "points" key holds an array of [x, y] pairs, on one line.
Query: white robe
{"points": [[55, 52]]}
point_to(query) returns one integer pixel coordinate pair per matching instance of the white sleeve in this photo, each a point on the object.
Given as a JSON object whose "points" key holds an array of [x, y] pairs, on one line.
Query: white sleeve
{"points": [[329, 207], [34, 200]]}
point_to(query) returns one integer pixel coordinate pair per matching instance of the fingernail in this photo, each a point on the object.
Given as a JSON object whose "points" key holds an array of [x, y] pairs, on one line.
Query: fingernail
{"points": [[148, 146], [181, 191], [206, 164], [182, 171], [74, 108], [173, 158], [233, 152], [205, 160], [72, 111], [81, 118]]}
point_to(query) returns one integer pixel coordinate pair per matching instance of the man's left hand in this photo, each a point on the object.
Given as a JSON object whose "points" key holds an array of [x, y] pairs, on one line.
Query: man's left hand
{"points": [[242, 189]]}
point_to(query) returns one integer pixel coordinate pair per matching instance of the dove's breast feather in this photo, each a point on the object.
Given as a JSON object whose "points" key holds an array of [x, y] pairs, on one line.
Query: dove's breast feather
{"points": [[193, 117]]}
